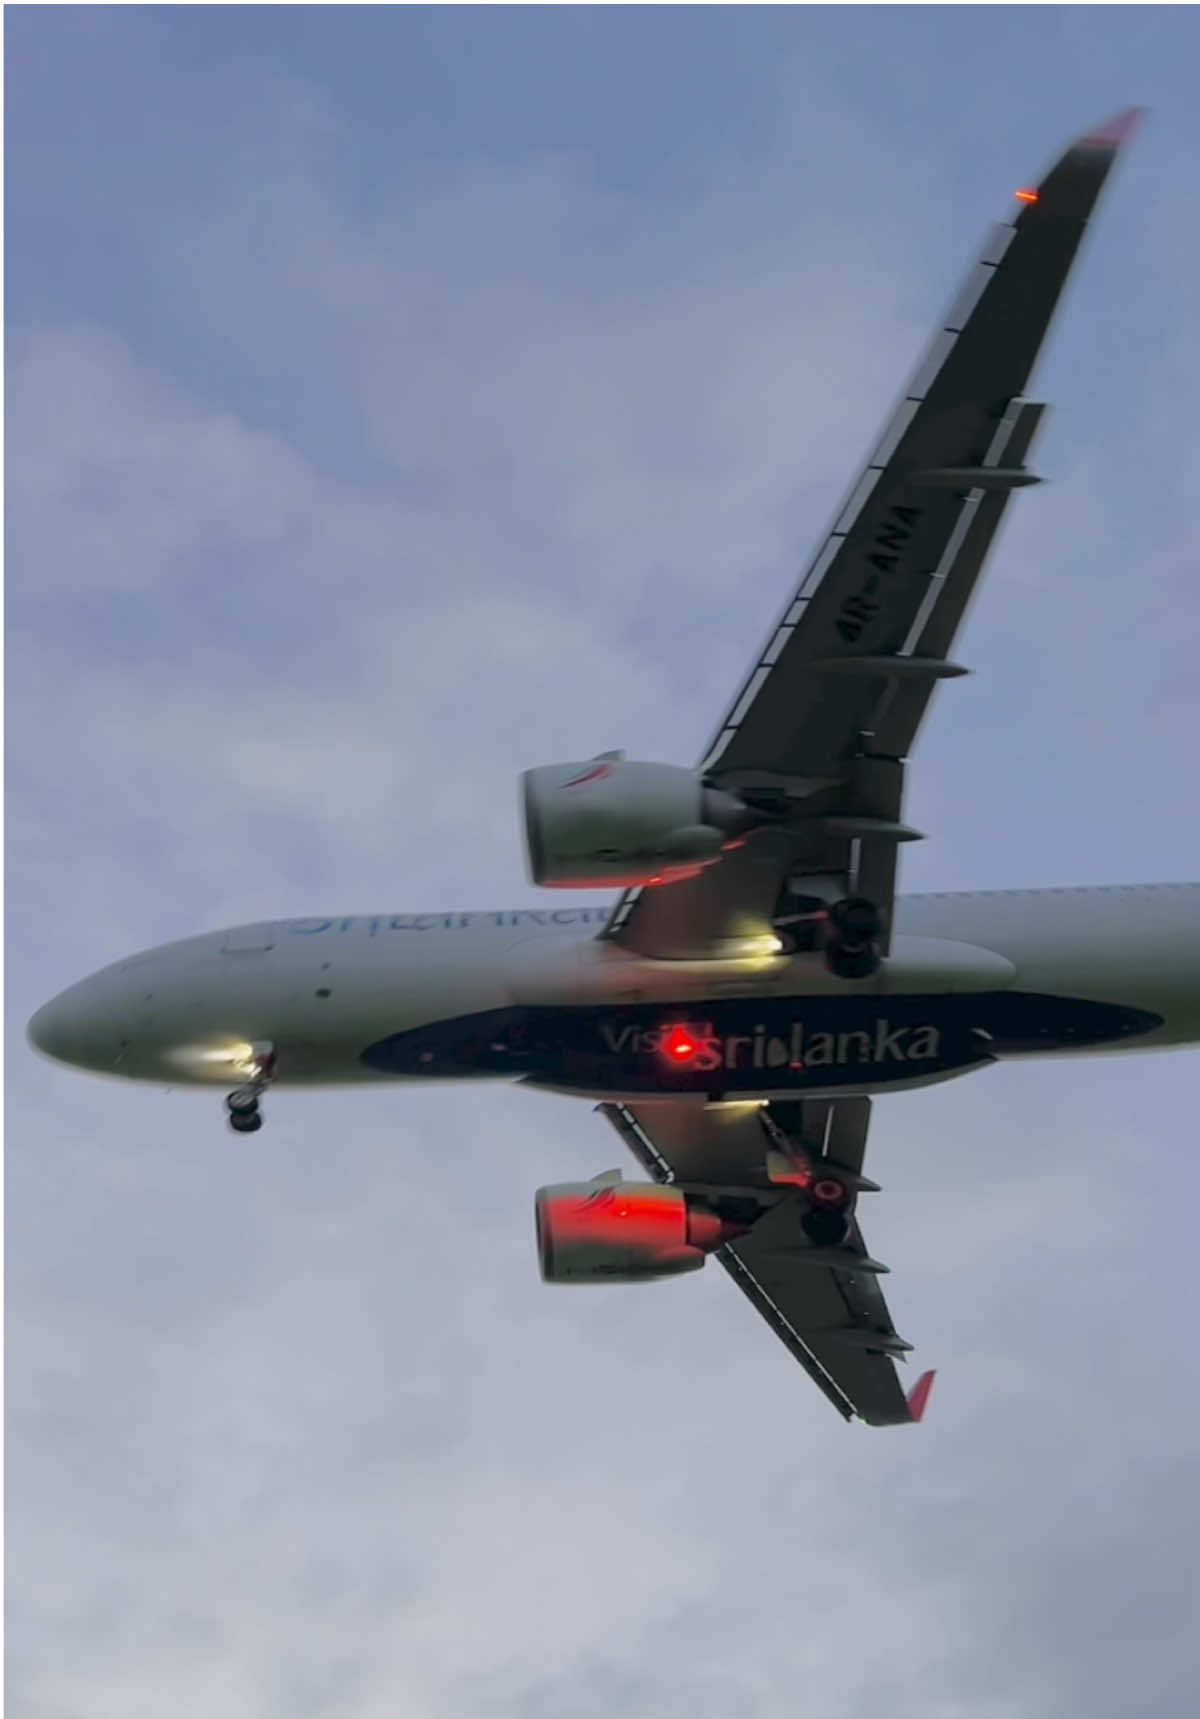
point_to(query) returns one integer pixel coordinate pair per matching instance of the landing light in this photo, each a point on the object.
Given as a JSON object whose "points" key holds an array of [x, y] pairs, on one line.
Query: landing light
{"points": [[759, 948], [238, 1055]]}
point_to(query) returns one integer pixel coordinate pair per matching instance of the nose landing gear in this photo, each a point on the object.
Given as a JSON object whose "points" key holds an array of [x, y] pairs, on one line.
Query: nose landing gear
{"points": [[242, 1104]]}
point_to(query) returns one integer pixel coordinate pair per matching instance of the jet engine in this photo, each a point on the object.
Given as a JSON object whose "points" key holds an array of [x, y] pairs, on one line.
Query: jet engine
{"points": [[612, 821], [623, 1232]]}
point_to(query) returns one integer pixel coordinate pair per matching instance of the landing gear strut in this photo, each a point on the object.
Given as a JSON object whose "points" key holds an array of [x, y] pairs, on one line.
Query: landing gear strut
{"points": [[851, 945], [242, 1104]]}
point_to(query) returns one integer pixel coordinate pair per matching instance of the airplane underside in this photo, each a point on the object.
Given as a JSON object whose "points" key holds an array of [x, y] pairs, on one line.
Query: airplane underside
{"points": [[748, 1047]]}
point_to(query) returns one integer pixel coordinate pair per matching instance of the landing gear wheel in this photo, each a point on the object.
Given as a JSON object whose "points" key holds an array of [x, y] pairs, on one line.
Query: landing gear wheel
{"points": [[846, 963], [825, 1226], [854, 919], [855, 925], [242, 1104]]}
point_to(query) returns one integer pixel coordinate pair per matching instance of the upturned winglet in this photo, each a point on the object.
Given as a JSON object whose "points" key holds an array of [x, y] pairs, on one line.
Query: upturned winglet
{"points": [[919, 1395], [1115, 131]]}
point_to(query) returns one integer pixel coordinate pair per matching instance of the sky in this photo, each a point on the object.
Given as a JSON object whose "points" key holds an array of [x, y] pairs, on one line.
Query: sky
{"points": [[401, 397]]}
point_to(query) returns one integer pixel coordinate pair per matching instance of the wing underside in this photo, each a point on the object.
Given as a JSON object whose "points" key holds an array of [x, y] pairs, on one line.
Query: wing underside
{"points": [[821, 727], [824, 1303]]}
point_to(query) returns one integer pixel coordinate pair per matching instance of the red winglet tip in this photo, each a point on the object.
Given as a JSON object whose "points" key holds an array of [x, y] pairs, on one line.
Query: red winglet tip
{"points": [[1114, 132], [919, 1395]]}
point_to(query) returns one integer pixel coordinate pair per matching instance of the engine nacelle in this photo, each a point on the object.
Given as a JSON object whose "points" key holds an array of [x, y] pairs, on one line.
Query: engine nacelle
{"points": [[615, 822], [623, 1232]]}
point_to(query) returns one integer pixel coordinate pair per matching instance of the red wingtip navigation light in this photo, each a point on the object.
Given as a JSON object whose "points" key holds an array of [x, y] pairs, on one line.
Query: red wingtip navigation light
{"points": [[1026, 196], [680, 1045]]}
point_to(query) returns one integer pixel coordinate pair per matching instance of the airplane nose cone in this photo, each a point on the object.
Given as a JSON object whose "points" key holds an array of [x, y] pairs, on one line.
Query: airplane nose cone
{"points": [[75, 1028]]}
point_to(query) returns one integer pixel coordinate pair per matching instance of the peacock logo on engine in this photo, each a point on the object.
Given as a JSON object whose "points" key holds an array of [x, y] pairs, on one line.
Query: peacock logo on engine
{"points": [[598, 772]]}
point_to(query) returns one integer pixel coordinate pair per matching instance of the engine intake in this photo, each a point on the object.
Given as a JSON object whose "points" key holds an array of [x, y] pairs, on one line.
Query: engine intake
{"points": [[623, 1232], [615, 822]]}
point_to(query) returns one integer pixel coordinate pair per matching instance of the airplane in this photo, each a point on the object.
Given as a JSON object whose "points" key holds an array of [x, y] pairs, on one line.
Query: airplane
{"points": [[757, 982]]}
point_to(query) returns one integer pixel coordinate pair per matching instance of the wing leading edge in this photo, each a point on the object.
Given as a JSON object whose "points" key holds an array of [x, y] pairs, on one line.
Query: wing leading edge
{"points": [[830, 710]]}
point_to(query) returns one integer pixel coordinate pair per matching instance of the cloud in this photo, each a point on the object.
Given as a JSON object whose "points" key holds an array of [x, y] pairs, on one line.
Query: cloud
{"points": [[118, 489], [537, 485], [491, 1497]]}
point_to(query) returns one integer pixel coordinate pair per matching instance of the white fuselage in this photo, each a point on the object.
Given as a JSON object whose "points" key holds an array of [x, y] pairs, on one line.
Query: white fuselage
{"points": [[321, 992]]}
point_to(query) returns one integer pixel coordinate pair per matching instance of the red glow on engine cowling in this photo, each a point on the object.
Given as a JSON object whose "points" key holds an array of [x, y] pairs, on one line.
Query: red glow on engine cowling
{"points": [[624, 1231]]}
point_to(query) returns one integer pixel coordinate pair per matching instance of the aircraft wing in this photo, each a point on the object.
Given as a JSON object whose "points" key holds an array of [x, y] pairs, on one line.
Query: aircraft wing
{"points": [[830, 709], [825, 1303]]}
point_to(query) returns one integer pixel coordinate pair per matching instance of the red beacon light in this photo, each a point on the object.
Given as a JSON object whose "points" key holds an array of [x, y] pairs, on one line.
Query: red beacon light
{"points": [[679, 1044], [1026, 196]]}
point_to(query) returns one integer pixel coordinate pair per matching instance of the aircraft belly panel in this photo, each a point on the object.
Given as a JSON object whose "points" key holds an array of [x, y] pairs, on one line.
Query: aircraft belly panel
{"points": [[753, 1047]]}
